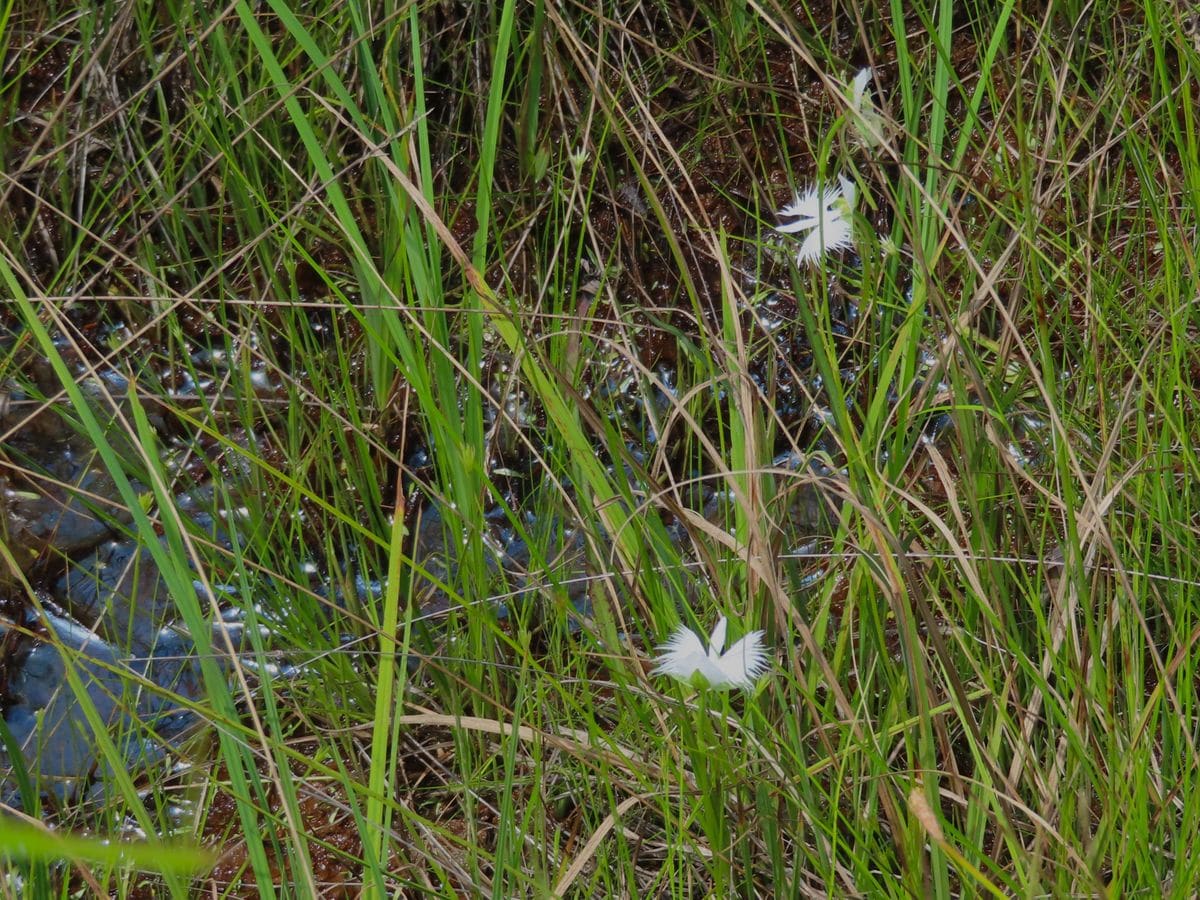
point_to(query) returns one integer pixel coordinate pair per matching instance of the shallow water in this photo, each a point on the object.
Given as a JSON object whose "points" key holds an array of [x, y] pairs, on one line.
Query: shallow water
{"points": [[105, 610], [107, 614]]}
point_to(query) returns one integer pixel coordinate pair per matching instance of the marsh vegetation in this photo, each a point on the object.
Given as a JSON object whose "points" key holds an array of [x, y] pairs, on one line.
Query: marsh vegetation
{"points": [[386, 381]]}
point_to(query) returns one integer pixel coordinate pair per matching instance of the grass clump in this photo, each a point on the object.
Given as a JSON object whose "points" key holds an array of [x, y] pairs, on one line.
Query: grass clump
{"points": [[470, 330]]}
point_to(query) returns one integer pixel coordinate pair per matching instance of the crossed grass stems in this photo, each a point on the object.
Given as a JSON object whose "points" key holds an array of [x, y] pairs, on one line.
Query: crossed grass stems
{"points": [[1011, 644]]}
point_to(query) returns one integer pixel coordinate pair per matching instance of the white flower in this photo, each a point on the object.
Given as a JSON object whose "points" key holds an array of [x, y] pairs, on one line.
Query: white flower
{"points": [[684, 657], [826, 215], [866, 116], [858, 91]]}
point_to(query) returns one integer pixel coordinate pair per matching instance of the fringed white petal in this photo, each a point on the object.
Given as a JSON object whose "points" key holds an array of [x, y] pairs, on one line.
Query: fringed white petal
{"points": [[823, 217], [745, 662], [680, 655], [804, 209], [836, 233], [684, 657]]}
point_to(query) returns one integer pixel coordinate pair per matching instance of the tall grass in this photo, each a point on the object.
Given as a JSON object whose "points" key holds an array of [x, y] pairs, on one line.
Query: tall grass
{"points": [[441, 277]]}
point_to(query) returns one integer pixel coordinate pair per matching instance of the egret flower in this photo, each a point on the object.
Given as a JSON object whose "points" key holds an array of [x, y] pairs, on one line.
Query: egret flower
{"points": [[683, 657], [868, 121], [827, 217], [858, 89]]}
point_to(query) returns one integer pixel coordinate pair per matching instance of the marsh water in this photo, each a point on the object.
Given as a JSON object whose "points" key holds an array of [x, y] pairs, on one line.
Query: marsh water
{"points": [[90, 632]]}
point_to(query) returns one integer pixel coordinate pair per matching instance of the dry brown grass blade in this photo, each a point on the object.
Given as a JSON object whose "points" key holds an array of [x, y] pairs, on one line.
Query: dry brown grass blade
{"points": [[570, 740], [593, 844]]}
